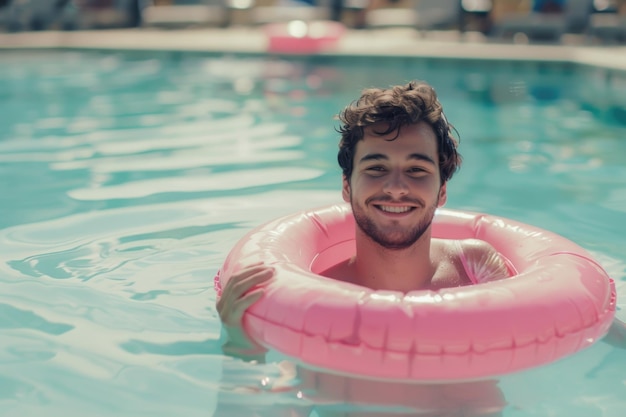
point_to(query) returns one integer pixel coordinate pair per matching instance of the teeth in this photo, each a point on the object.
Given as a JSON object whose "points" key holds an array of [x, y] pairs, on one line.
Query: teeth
{"points": [[394, 209]]}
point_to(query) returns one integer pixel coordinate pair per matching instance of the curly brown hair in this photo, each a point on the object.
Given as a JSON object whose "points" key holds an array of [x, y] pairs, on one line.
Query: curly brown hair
{"points": [[397, 106]]}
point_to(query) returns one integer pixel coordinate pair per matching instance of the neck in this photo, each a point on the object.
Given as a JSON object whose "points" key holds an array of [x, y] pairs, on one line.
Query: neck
{"points": [[395, 270]]}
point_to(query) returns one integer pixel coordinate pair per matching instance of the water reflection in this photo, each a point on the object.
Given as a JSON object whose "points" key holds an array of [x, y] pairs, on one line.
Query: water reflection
{"points": [[300, 391]]}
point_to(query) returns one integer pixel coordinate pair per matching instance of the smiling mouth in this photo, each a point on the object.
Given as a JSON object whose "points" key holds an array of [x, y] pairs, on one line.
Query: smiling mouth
{"points": [[395, 209]]}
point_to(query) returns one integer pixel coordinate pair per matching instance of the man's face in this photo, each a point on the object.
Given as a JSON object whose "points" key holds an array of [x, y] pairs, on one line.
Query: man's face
{"points": [[395, 185]]}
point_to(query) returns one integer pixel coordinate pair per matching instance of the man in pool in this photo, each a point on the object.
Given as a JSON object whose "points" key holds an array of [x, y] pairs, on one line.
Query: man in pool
{"points": [[397, 154]]}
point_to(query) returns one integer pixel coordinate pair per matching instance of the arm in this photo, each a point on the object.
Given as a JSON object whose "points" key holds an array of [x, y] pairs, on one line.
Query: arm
{"points": [[241, 291]]}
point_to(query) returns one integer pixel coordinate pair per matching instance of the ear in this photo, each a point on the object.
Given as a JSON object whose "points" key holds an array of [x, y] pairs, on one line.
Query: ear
{"points": [[345, 190], [443, 195]]}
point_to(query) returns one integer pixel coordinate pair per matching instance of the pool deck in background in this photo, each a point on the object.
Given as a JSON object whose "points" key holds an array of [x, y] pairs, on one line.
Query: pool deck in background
{"points": [[384, 42]]}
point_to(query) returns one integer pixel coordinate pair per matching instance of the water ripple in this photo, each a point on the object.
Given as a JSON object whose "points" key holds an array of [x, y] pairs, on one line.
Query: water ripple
{"points": [[15, 318], [185, 160], [163, 250], [214, 182]]}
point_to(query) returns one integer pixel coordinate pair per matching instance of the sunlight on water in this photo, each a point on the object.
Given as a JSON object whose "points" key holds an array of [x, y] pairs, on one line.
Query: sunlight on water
{"points": [[126, 179], [207, 182]]}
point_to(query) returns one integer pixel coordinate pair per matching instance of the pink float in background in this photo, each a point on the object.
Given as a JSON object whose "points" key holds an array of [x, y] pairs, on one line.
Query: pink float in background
{"points": [[300, 37], [560, 302]]}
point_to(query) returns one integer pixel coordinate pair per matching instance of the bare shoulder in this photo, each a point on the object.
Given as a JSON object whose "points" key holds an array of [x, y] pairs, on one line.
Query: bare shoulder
{"points": [[449, 270]]}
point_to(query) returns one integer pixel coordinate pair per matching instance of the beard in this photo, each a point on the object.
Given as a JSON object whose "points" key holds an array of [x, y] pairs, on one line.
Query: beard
{"points": [[395, 237]]}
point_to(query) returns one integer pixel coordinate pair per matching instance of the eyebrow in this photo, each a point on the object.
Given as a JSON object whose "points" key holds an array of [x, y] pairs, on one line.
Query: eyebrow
{"points": [[380, 156]]}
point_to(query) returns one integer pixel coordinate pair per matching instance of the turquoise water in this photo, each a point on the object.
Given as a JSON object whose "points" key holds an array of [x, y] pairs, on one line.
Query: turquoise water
{"points": [[126, 178]]}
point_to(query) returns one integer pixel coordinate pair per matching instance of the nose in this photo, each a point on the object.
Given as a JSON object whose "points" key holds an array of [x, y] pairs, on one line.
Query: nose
{"points": [[396, 186]]}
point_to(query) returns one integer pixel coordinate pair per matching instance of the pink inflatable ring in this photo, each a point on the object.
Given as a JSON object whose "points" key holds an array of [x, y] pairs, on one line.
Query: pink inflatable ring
{"points": [[300, 37], [560, 302]]}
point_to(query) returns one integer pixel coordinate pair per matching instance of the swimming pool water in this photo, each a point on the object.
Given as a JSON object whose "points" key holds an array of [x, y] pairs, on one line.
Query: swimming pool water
{"points": [[125, 179]]}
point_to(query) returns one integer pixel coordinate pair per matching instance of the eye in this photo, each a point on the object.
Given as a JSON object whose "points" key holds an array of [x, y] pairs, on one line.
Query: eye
{"points": [[417, 170], [376, 170]]}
